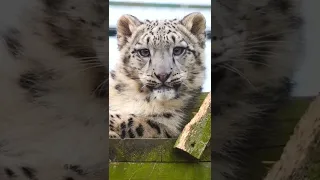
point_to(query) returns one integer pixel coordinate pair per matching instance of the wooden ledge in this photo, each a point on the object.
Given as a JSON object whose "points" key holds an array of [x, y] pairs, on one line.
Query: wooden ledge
{"points": [[147, 159], [150, 150]]}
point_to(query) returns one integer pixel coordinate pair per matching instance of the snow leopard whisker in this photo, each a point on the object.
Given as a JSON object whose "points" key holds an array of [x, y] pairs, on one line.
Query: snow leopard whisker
{"points": [[263, 46], [259, 53], [242, 59], [235, 70], [86, 69], [103, 83], [273, 44], [250, 61], [270, 34]]}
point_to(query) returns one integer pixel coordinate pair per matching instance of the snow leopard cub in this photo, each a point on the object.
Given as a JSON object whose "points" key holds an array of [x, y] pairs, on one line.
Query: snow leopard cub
{"points": [[159, 73], [254, 55], [53, 99]]}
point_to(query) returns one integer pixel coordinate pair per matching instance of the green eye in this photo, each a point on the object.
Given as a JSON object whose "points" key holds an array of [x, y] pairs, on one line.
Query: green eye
{"points": [[178, 51], [144, 52]]}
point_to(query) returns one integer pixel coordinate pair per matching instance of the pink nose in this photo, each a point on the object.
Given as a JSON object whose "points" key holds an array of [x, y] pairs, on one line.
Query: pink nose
{"points": [[162, 76]]}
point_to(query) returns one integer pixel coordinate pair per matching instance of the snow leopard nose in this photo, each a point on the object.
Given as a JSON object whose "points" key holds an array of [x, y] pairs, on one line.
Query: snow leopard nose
{"points": [[162, 76]]}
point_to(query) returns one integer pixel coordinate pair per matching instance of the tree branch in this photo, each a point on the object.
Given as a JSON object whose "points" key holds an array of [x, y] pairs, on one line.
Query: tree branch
{"points": [[197, 133], [301, 151]]}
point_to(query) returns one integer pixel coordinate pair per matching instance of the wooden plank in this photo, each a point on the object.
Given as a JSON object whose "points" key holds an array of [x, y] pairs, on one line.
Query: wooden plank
{"points": [[159, 171], [302, 149], [161, 151], [137, 149], [287, 116], [149, 150], [158, 5]]}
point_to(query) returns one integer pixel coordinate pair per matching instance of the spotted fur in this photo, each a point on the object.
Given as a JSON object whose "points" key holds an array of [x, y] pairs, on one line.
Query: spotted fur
{"points": [[255, 47], [159, 73], [53, 74]]}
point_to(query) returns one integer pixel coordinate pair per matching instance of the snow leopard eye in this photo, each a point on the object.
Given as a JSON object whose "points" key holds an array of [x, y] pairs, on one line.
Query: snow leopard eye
{"points": [[144, 52], [178, 51]]}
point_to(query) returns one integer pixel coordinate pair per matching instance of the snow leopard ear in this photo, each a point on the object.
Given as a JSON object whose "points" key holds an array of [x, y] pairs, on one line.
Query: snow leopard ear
{"points": [[127, 24], [196, 24]]}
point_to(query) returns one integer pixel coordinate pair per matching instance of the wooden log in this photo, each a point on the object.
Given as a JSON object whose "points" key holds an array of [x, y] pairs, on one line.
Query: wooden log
{"points": [[300, 159], [197, 133]]}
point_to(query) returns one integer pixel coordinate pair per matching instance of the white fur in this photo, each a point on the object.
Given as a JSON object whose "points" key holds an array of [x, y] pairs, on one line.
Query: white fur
{"points": [[66, 126], [132, 100]]}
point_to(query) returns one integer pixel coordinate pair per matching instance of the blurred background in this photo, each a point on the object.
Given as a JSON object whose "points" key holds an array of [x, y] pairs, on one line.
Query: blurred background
{"points": [[308, 76], [158, 9]]}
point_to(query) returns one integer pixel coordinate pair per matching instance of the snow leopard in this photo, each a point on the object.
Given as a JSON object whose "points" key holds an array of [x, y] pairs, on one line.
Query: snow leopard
{"points": [[54, 77], [158, 76], [54, 93], [256, 45]]}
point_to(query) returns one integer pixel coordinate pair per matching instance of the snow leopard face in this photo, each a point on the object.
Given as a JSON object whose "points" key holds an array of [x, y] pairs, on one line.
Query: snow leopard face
{"points": [[164, 56]]}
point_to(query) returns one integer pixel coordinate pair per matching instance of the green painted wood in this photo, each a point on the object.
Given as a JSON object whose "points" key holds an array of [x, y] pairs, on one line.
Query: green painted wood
{"points": [[150, 150], [158, 5], [134, 158], [288, 117], [314, 170], [159, 171]]}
